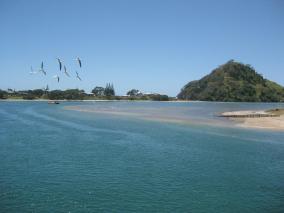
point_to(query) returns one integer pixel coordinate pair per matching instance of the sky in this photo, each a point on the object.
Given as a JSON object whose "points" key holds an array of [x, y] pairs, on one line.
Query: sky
{"points": [[150, 45]]}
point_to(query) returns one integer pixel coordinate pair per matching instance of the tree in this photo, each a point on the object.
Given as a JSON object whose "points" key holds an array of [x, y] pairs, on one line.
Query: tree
{"points": [[133, 92], [37, 92], [29, 96], [158, 97], [98, 91], [3, 94], [73, 94], [109, 90], [56, 95]]}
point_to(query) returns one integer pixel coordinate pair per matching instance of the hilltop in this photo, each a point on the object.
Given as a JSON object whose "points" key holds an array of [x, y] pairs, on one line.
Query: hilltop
{"points": [[233, 81]]}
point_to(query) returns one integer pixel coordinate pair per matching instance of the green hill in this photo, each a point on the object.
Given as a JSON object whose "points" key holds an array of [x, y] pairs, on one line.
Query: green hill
{"points": [[233, 81]]}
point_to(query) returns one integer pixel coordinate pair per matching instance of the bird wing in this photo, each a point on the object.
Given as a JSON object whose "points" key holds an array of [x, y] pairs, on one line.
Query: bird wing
{"points": [[60, 64], [66, 73], [79, 61], [78, 76], [41, 65], [57, 77]]}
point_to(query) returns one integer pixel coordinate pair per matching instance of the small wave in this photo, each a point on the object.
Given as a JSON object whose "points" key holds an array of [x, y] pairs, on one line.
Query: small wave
{"points": [[15, 117], [74, 125]]}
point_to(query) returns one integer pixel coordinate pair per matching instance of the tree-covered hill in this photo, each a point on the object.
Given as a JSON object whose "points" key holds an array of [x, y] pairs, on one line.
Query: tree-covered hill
{"points": [[233, 81]]}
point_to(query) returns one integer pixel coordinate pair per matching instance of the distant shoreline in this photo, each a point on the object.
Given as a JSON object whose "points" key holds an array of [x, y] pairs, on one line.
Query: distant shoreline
{"points": [[46, 100], [98, 100], [125, 100]]}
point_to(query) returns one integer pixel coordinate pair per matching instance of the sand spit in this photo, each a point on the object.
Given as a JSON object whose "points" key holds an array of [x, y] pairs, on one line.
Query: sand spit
{"points": [[269, 119], [149, 114], [261, 119]]}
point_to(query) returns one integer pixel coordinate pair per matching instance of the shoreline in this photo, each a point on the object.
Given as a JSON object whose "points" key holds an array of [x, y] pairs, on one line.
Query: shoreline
{"points": [[98, 100], [260, 119]]}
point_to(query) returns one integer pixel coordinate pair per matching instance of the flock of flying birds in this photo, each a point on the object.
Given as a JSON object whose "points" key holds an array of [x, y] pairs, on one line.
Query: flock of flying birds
{"points": [[43, 71]]}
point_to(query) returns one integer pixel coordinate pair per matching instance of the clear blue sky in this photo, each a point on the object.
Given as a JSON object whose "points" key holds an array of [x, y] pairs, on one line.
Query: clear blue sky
{"points": [[151, 45]]}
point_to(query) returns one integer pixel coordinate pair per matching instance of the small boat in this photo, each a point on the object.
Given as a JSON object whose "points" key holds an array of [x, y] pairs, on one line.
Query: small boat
{"points": [[53, 102]]}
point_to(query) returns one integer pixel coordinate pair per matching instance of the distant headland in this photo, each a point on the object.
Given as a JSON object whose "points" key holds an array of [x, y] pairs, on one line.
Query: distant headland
{"points": [[234, 82]]}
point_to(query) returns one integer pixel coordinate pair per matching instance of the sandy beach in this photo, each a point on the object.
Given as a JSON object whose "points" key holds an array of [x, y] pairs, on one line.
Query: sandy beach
{"points": [[275, 122]]}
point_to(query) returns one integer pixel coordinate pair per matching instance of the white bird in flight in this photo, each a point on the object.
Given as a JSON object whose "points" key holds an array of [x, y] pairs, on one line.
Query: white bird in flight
{"points": [[79, 61], [60, 63], [65, 71], [57, 77], [78, 76], [41, 69]]}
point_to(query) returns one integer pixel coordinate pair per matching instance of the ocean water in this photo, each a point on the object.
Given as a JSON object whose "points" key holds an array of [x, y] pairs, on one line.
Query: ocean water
{"points": [[136, 159]]}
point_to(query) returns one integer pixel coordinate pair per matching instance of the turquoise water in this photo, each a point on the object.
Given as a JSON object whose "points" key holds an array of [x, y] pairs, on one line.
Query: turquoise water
{"points": [[58, 160]]}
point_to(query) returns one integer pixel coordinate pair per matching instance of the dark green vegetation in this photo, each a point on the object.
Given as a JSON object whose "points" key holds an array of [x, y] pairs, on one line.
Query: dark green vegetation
{"points": [[133, 92], [70, 94], [233, 81], [3, 94], [158, 97], [98, 93], [109, 90]]}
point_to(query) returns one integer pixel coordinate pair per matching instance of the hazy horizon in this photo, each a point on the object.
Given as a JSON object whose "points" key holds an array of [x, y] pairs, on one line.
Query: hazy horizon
{"points": [[153, 46]]}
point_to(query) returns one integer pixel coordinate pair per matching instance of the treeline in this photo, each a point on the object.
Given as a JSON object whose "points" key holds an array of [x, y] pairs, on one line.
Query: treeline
{"points": [[69, 94], [98, 93], [101, 91], [135, 94]]}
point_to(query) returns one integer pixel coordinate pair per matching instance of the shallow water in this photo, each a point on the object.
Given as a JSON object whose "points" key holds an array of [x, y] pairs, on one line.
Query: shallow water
{"points": [[58, 160]]}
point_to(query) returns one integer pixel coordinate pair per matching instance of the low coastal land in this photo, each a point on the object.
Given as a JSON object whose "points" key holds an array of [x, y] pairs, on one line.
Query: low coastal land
{"points": [[262, 119]]}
